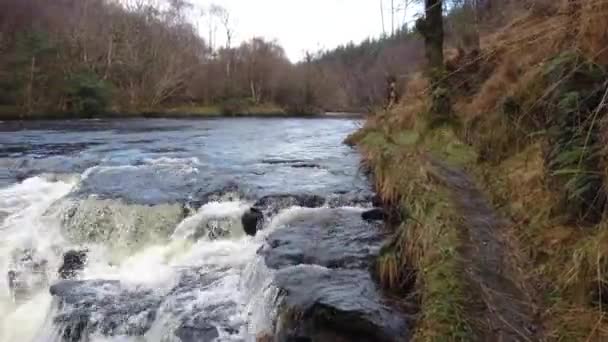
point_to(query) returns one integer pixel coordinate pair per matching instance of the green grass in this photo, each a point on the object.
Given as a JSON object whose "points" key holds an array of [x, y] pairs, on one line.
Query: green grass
{"points": [[427, 244]]}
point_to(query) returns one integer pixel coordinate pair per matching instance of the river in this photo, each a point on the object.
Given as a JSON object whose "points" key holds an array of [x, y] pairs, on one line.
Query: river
{"points": [[133, 230]]}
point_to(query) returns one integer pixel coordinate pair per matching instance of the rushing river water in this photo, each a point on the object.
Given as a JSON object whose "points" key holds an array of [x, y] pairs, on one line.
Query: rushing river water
{"points": [[145, 220]]}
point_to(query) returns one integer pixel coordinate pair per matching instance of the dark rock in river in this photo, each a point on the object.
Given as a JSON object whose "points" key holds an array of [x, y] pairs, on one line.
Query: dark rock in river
{"points": [[335, 238], [376, 214], [306, 166], [252, 221], [360, 198], [229, 192], [197, 331], [109, 316], [73, 263], [109, 309], [335, 305], [272, 204], [323, 263]]}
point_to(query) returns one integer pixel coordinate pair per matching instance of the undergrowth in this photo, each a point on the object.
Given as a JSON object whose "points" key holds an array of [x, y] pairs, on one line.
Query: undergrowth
{"points": [[532, 108]]}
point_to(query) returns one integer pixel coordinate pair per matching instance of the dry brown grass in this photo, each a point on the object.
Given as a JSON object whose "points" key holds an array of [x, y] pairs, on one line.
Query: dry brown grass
{"points": [[566, 263], [414, 104]]}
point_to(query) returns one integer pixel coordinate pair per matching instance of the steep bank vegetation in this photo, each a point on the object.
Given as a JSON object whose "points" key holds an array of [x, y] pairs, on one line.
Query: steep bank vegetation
{"points": [[89, 57], [526, 118]]}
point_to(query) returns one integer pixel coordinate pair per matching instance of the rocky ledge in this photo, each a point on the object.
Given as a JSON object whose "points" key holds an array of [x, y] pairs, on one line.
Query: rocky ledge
{"points": [[322, 265]]}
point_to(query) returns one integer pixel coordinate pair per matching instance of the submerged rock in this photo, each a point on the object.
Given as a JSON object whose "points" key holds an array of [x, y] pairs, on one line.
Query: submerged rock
{"points": [[73, 263], [252, 221], [228, 192], [272, 204], [197, 331], [119, 224], [3, 216], [106, 308], [360, 198], [306, 166], [26, 274], [214, 228]]}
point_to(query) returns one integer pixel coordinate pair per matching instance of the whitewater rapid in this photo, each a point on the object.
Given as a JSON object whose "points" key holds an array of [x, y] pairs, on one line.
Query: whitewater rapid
{"points": [[148, 217], [32, 220]]}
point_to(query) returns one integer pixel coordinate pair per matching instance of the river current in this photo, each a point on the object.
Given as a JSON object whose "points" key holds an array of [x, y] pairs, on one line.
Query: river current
{"points": [[132, 230]]}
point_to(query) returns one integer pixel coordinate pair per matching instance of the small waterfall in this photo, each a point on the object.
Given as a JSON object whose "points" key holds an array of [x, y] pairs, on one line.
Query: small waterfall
{"points": [[158, 273], [152, 273], [30, 247]]}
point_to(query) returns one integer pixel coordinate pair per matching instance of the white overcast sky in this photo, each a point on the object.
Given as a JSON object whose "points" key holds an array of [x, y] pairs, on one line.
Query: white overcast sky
{"points": [[305, 25]]}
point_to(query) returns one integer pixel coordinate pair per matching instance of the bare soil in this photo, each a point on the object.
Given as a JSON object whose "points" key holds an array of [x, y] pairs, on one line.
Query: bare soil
{"points": [[506, 310]]}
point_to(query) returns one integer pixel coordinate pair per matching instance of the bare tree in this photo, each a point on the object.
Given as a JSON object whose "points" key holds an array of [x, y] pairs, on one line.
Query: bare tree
{"points": [[224, 17]]}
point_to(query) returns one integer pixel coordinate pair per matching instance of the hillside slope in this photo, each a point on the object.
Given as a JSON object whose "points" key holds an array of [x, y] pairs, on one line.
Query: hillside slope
{"points": [[529, 129]]}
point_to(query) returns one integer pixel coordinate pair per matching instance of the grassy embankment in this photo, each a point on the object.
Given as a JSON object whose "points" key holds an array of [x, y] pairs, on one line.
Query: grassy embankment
{"points": [[530, 124]]}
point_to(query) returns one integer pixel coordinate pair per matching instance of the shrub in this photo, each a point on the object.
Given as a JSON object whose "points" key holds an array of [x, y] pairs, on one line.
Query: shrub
{"points": [[87, 94]]}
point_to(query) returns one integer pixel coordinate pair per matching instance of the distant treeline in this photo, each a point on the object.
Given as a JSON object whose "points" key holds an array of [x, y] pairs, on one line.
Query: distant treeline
{"points": [[88, 57]]}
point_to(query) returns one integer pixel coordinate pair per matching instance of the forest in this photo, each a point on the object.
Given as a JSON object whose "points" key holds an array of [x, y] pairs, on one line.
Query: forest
{"points": [[485, 139], [86, 58]]}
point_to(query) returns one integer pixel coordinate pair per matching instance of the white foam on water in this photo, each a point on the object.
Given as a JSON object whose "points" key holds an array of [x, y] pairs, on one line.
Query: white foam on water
{"points": [[173, 161], [27, 227], [240, 284], [101, 169], [231, 211]]}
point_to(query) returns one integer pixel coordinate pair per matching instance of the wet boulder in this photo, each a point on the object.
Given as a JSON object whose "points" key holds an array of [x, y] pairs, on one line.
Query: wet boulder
{"points": [[229, 192], [321, 304], [358, 198], [375, 214], [334, 238], [74, 262], [197, 330], [252, 221], [323, 262], [123, 225], [109, 308], [102, 307]]}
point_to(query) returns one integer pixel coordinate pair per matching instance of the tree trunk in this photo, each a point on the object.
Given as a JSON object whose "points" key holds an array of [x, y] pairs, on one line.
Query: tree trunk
{"points": [[30, 86], [474, 39], [433, 33], [109, 57], [431, 28], [253, 92]]}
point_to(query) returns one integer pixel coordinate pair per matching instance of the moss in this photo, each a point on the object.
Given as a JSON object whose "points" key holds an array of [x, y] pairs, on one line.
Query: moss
{"points": [[444, 144]]}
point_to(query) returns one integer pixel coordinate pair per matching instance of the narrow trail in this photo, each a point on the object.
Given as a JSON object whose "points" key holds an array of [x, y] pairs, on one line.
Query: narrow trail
{"points": [[508, 312]]}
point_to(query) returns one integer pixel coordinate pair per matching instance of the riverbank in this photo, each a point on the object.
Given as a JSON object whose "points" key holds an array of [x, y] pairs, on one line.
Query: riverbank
{"points": [[507, 231], [182, 112]]}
